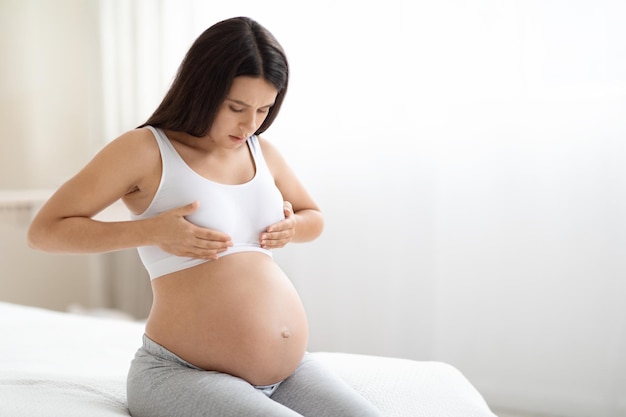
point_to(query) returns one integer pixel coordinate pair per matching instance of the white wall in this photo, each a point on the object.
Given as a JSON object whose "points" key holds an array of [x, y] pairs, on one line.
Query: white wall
{"points": [[49, 106], [50, 90], [468, 158]]}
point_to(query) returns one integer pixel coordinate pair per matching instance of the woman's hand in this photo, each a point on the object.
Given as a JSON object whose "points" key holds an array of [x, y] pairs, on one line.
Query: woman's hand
{"points": [[279, 234], [178, 236]]}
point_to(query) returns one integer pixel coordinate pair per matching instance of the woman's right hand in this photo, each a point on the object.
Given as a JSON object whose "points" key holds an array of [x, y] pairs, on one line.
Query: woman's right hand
{"points": [[178, 236]]}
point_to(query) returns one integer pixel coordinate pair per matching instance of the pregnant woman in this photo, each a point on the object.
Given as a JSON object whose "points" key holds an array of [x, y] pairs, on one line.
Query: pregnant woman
{"points": [[209, 199]]}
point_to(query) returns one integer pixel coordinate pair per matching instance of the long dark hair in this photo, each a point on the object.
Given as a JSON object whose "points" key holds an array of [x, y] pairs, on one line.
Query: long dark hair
{"points": [[228, 49]]}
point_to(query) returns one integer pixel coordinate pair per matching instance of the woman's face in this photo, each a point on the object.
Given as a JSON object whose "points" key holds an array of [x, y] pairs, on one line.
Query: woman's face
{"points": [[244, 110]]}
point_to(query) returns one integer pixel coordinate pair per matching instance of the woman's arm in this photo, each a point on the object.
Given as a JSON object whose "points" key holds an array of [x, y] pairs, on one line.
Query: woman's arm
{"points": [[303, 218], [65, 224], [127, 168]]}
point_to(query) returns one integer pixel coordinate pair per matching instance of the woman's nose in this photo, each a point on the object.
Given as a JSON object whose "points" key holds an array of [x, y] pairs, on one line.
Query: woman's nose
{"points": [[248, 122]]}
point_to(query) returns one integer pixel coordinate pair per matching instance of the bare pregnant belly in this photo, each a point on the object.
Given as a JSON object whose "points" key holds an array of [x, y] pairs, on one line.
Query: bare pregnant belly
{"points": [[240, 315]]}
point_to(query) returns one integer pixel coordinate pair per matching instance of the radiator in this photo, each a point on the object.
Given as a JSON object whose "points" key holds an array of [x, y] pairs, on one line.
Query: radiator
{"points": [[115, 282], [18, 207]]}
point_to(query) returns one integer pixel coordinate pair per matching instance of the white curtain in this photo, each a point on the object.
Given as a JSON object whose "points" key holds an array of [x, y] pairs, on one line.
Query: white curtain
{"points": [[143, 41]]}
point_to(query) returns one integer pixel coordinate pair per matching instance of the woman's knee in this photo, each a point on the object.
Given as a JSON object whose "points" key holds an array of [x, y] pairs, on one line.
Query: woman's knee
{"points": [[316, 390]]}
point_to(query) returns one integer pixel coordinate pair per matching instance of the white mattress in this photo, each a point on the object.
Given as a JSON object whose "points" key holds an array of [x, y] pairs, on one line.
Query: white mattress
{"points": [[57, 364]]}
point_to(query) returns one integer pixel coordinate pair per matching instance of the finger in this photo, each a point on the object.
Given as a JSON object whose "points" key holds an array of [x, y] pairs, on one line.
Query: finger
{"points": [[276, 243], [288, 209], [212, 235], [276, 239], [286, 224], [187, 209], [205, 253], [211, 245], [278, 235]]}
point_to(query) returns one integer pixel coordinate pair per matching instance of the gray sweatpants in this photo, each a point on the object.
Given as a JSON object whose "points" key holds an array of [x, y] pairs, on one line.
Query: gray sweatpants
{"points": [[160, 384]]}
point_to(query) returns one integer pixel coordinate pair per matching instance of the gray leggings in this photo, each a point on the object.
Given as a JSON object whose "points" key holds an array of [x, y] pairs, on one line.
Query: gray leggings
{"points": [[160, 384]]}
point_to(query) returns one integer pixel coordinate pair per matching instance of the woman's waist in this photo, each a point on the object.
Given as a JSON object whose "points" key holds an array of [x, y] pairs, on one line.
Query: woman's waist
{"points": [[225, 277]]}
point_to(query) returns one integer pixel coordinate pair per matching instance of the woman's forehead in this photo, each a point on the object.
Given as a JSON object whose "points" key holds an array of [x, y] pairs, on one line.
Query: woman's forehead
{"points": [[252, 91]]}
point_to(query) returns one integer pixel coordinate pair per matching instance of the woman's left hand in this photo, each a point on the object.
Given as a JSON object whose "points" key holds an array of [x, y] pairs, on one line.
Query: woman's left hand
{"points": [[279, 234]]}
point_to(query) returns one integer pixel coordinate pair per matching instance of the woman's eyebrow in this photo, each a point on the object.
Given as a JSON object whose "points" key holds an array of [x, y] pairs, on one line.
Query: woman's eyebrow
{"points": [[243, 103]]}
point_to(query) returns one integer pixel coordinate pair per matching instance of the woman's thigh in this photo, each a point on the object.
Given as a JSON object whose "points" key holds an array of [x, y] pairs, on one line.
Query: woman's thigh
{"points": [[314, 390], [165, 386]]}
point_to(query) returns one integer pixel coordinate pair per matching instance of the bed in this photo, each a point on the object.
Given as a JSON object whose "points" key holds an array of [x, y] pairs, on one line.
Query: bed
{"points": [[60, 364]]}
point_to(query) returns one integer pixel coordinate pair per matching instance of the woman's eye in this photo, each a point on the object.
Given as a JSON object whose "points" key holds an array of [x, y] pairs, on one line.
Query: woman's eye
{"points": [[265, 110], [236, 109]]}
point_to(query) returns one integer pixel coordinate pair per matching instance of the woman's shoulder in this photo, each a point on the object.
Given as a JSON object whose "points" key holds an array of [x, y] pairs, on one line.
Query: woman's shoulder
{"points": [[134, 159], [136, 141], [133, 152], [140, 135], [273, 157], [268, 148]]}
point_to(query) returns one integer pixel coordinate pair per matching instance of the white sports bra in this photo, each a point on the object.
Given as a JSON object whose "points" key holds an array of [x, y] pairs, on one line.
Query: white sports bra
{"points": [[243, 211]]}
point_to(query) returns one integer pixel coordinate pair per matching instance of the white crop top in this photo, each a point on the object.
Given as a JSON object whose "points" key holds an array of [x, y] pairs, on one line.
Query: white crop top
{"points": [[243, 211]]}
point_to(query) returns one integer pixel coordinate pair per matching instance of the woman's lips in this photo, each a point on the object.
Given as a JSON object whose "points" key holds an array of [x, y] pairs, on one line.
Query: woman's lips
{"points": [[237, 138]]}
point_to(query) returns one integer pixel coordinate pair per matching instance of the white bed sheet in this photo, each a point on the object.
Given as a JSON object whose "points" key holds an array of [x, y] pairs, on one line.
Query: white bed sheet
{"points": [[56, 364]]}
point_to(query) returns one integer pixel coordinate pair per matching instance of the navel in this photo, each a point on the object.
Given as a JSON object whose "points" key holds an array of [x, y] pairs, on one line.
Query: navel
{"points": [[286, 334]]}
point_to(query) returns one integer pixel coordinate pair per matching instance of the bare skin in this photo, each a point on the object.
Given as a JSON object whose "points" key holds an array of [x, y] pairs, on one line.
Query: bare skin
{"points": [[237, 314]]}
